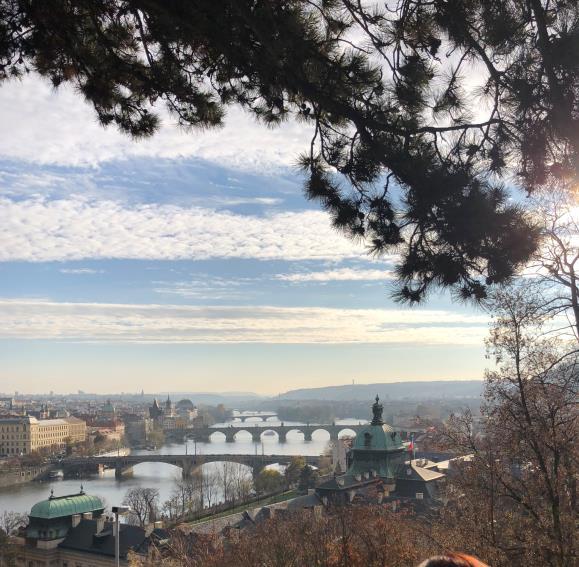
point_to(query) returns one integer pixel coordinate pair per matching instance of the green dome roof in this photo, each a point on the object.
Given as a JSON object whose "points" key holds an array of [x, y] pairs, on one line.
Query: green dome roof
{"points": [[377, 448], [378, 438], [60, 506]]}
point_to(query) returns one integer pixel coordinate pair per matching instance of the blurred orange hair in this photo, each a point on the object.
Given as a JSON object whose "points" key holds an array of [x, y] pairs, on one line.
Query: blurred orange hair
{"points": [[453, 560]]}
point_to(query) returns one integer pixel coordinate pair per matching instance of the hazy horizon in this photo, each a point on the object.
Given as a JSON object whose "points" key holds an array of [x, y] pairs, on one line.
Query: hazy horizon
{"points": [[225, 393]]}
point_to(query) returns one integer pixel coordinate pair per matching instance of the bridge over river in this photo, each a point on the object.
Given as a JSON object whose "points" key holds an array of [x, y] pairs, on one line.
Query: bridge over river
{"points": [[123, 464], [204, 434], [258, 416]]}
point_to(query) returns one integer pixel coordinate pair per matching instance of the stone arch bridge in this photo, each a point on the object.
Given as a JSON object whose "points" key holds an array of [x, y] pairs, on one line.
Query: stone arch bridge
{"points": [[256, 431], [263, 416], [123, 464]]}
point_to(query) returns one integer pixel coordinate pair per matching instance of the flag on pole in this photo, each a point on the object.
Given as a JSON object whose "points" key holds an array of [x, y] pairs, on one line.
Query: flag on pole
{"points": [[411, 447]]}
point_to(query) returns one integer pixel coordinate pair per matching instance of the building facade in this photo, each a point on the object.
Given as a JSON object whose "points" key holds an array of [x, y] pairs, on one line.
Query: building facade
{"points": [[73, 531], [171, 417], [25, 435]]}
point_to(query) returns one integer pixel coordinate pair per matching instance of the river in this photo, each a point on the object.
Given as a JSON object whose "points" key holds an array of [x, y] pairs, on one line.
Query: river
{"points": [[163, 476]]}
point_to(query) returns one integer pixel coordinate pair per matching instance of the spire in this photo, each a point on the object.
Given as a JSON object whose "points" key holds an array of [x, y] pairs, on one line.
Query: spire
{"points": [[377, 409]]}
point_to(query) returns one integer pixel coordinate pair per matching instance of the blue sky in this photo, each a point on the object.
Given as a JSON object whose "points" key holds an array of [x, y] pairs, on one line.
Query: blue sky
{"points": [[191, 261]]}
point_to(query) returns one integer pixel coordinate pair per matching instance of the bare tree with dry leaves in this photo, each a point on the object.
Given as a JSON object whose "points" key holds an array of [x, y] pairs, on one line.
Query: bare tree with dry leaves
{"points": [[516, 495]]}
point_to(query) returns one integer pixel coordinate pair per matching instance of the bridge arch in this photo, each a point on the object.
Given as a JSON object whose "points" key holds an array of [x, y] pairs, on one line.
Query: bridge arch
{"points": [[316, 429], [305, 430], [217, 432], [178, 467], [297, 429], [346, 432], [265, 429], [240, 430]]}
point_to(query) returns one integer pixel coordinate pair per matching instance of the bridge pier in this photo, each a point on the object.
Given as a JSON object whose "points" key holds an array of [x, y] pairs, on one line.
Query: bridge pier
{"points": [[256, 435], [307, 434], [121, 471], [230, 436], [187, 469], [282, 436]]}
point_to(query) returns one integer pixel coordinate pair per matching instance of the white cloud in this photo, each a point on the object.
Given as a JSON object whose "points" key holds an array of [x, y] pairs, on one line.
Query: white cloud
{"points": [[232, 201], [341, 274], [40, 230], [59, 127], [42, 319], [81, 271], [211, 287]]}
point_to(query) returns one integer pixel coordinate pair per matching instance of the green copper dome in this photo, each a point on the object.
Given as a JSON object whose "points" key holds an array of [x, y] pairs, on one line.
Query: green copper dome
{"points": [[378, 436], [377, 447], [61, 506]]}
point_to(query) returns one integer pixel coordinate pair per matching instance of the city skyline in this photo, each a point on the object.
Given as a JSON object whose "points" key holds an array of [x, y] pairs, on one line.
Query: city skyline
{"points": [[191, 259]]}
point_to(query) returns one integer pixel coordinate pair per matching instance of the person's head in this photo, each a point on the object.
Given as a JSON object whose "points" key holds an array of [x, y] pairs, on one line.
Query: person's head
{"points": [[453, 560]]}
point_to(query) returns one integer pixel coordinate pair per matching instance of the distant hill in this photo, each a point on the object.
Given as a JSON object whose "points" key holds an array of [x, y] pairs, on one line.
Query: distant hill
{"points": [[439, 389], [209, 398]]}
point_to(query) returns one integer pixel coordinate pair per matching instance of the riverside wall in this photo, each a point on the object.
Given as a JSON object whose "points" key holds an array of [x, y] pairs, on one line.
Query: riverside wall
{"points": [[14, 477]]}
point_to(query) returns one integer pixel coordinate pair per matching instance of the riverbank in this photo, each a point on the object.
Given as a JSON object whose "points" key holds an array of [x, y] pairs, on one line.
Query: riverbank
{"points": [[22, 475], [161, 476]]}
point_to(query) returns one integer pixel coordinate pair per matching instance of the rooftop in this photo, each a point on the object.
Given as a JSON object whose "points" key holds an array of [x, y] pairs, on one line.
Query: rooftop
{"points": [[87, 538], [68, 505]]}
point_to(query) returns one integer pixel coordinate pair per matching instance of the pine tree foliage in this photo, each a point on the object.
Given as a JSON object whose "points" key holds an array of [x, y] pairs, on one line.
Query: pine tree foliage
{"points": [[421, 108]]}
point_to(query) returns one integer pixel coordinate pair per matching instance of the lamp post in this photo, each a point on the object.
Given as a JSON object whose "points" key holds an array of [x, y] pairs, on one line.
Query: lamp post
{"points": [[118, 511]]}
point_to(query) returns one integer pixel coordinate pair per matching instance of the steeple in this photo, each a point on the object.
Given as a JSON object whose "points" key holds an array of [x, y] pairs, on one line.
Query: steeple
{"points": [[377, 410]]}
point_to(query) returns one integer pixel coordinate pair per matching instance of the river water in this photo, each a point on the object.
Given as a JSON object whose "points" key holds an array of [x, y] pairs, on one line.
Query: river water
{"points": [[163, 476]]}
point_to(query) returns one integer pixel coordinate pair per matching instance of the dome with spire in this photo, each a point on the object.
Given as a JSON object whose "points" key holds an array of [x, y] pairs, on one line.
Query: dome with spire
{"points": [[109, 408], [377, 447], [378, 436]]}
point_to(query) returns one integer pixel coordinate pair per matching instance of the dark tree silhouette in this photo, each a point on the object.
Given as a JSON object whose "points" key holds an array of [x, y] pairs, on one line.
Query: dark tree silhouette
{"points": [[388, 90]]}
